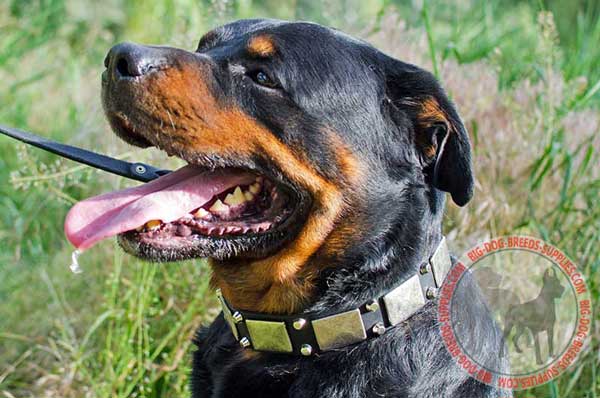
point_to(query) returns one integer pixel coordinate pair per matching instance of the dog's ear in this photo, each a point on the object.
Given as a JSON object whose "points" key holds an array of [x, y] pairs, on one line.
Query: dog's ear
{"points": [[440, 135], [550, 273]]}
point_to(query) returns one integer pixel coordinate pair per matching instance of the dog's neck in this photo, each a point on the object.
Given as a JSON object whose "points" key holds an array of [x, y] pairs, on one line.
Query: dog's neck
{"points": [[383, 259], [379, 273]]}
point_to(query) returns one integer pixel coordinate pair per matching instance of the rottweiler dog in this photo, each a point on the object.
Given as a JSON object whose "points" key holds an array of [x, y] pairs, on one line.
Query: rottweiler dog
{"points": [[320, 165]]}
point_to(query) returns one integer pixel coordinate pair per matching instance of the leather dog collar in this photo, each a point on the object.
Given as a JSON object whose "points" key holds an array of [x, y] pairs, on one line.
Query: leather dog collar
{"points": [[308, 334]]}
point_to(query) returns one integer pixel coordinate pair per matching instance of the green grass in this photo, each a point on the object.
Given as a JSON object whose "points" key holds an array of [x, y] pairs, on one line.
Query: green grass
{"points": [[530, 90]]}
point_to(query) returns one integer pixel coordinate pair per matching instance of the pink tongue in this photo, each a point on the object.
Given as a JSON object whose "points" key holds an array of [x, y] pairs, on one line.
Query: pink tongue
{"points": [[167, 198]]}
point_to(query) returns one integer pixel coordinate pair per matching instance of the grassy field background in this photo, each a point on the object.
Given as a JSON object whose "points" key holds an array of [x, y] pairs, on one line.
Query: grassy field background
{"points": [[525, 76]]}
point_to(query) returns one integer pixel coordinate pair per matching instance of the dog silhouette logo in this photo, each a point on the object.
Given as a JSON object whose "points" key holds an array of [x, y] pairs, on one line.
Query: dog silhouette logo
{"points": [[537, 316]]}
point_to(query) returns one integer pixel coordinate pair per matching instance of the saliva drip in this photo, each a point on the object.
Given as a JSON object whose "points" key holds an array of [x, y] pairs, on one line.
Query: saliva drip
{"points": [[74, 267]]}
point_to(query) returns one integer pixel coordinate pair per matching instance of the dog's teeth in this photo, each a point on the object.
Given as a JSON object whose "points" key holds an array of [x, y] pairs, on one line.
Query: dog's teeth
{"points": [[218, 207], [249, 196], [255, 188], [229, 199], [232, 229], [202, 213], [152, 224], [237, 198], [239, 194]]}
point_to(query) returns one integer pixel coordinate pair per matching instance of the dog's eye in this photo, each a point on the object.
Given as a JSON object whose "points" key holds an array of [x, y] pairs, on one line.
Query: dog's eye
{"points": [[260, 77]]}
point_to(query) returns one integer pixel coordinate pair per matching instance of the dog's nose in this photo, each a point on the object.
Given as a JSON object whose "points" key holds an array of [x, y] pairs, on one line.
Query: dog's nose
{"points": [[130, 60]]}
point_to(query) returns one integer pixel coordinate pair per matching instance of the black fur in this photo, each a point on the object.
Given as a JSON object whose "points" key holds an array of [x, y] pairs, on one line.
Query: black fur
{"points": [[328, 81], [333, 80]]}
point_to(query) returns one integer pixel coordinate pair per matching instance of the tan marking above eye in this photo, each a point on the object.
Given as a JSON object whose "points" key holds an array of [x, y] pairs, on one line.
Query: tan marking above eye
{"points": [[261, 46]]}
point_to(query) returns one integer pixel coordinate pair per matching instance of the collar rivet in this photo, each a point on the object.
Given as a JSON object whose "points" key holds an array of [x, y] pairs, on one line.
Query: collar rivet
{"points": [[424, 269], [237, 317], [299, 323], [430, 293], [378, 329], [306, 349], [372, 306], [244, 342]]}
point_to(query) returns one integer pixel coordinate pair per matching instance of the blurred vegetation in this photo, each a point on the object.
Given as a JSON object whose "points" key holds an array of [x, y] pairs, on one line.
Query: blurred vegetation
{"points": [[122, 329]]}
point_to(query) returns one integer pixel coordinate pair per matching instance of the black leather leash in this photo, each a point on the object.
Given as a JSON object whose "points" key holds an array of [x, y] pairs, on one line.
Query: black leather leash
{"points": [[135, 171]]}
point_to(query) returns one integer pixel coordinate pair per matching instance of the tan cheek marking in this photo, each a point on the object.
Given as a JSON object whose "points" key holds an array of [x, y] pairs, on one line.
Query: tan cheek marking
{"points": [[261, 46], [283, 281], [324, 232], [349, 228], [352, 170]]}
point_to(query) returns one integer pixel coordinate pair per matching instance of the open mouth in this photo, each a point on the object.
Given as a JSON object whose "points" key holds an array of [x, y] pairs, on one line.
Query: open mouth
{"points": [[247, 208], [251, 219], [194, 212]]}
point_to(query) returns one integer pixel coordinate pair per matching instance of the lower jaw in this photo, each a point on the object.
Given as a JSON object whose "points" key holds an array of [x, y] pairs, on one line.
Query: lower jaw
{"points": [[202, 246], [252, 245]]}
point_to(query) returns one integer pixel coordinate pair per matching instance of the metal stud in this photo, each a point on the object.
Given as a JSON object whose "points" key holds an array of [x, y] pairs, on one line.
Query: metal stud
{"points": [[430, 293], [244, 342], [140, 169], [299, 323], [372, 306], [424, 269], [237, 317], [378, 329], [306, 349]]}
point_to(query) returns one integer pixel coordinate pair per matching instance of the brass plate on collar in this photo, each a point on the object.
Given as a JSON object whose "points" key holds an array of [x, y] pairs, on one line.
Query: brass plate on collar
{"points": [[269, 336], [339, 330], [404, 300], [440, 263], [227, 315]]}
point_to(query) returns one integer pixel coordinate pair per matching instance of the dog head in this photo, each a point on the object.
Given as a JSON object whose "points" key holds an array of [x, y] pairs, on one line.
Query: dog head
{"points": [[341, 148]]}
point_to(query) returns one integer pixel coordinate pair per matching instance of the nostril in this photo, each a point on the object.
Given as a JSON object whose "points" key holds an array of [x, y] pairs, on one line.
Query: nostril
{"points": [[128, 60], [123, 67]]}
